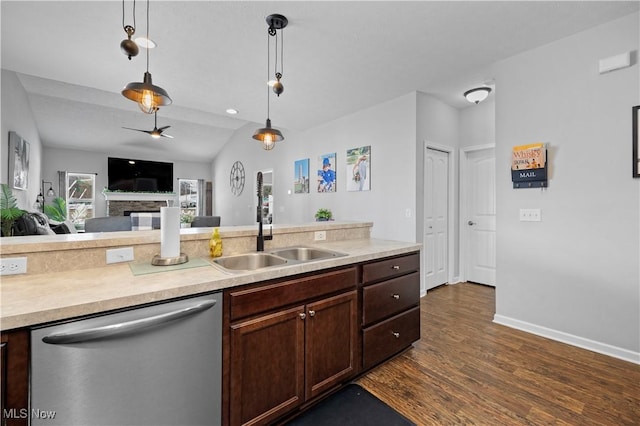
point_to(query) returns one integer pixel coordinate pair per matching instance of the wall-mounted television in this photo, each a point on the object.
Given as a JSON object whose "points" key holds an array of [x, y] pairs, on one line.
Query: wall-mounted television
{"points": [[126, 174]]}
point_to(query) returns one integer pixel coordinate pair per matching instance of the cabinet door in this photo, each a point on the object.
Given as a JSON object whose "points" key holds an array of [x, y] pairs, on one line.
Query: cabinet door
{"points": [[331, 342], [14, 378], [267, 366]]}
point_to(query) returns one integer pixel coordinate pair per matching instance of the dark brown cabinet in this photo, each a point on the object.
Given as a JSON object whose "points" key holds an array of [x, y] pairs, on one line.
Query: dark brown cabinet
{"points": [[390, 307], [290, 342], [14, 377]]}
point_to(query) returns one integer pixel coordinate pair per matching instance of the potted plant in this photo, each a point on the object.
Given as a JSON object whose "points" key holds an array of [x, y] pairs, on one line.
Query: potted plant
{"points": [[9, 211], [324, 215], [57, 210], [185, 220]]}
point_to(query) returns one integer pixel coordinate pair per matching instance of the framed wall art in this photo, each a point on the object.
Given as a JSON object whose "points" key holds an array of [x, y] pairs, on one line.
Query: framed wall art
{"points": [[358, 169], [301, 176], [327, 173], [636, 140], [18, 162]]}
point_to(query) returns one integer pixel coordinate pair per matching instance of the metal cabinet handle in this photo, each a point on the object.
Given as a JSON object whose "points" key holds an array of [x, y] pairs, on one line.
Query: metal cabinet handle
{"points": [[395, 296], [396, 267], [471, 223], [124, 327], [312, 313], [395, 334], [302, 315]]}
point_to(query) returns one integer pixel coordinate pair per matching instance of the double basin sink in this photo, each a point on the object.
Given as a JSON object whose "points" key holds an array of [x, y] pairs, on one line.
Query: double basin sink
{"points": [[279, 257]]}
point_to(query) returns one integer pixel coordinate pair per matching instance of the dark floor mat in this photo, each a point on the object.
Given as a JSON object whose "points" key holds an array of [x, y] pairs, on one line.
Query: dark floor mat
{"points": [[351, 406]]}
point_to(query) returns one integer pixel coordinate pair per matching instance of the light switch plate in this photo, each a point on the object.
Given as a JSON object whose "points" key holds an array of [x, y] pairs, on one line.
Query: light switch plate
{"points": [[124, 254], [530, 215]]}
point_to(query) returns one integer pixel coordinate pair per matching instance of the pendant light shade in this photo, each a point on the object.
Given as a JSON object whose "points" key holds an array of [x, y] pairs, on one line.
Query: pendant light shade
{"points": [[268, 136], [477, 95], [148, 96]]}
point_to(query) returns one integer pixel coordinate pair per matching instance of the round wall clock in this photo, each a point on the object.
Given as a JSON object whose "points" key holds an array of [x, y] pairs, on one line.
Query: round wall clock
{"points": [[236, 179]]}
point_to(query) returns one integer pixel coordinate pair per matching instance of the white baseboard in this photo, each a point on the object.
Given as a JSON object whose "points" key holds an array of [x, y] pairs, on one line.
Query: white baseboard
{"points": [[569, 339]]}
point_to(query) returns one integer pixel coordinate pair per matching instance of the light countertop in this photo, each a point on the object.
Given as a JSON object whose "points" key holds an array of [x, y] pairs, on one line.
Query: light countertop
{"points": [[37, 299]]}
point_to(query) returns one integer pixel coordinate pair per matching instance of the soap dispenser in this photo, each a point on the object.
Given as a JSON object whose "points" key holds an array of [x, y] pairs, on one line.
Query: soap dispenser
{"points": [[215, 244]]}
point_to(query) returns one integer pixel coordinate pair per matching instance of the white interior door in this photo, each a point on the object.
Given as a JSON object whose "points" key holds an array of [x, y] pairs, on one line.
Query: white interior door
{"points": [[480, 223], [436, 208]]}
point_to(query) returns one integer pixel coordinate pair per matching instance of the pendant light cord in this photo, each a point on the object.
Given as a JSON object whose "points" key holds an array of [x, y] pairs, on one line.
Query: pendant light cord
{"points": [[268, 67], [134, 16], [147, 49]]}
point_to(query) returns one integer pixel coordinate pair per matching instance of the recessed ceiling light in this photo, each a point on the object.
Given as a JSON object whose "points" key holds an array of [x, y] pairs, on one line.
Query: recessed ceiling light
{"points": [[232, 111], [147, 43]]}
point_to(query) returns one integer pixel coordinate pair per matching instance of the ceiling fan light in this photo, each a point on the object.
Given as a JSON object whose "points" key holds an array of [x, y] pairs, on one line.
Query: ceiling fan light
{"points": [[477, 95], [147, 43], [148, 97]]}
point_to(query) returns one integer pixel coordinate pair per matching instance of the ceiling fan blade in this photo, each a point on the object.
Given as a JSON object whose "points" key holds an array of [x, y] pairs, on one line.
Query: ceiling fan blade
{"points": [[166, 136], [138, 130], [163, 128]]}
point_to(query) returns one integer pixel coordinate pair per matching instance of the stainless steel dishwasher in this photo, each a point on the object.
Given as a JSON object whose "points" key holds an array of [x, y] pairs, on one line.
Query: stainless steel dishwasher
{"points": [[156, 365]]}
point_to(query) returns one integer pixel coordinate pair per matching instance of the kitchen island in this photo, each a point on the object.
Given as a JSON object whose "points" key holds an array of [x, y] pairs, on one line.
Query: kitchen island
{"points": [[39, 298]]}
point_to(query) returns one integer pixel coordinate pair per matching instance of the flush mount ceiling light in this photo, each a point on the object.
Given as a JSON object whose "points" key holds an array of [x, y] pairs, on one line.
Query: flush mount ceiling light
{"points": [[477, 95], [268, 135], [148, 96], [128, 47]]}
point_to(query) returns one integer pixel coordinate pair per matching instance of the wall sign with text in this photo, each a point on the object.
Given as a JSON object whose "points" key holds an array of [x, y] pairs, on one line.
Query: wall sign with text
{"points": [[529, 166]]}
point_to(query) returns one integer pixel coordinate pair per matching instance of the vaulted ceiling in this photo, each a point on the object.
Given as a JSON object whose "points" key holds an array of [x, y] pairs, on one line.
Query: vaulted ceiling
{"points": [[339, 57]]}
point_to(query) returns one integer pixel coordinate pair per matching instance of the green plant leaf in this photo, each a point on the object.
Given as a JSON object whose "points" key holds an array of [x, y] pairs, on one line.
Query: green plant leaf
{"points": [[57, 210]]}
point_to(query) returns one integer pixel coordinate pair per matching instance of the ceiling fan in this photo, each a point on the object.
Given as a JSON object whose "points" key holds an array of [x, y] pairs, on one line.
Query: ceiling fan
{"points": [[155, 133]]}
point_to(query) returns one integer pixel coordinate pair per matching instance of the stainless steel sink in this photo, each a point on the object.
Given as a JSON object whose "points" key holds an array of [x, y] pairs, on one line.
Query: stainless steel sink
{"points": [[249, 261], [306, 254]]}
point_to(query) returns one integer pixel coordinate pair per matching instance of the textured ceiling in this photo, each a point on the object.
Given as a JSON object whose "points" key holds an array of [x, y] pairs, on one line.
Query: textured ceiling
{"points": [[339, 57]]}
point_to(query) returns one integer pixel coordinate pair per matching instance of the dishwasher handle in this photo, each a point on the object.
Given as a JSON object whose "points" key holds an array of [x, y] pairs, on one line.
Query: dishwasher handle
{"points": [[102, 332]]}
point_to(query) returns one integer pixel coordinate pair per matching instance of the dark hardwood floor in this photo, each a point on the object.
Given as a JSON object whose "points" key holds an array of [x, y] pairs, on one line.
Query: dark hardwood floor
{"points": [[468, 370]]}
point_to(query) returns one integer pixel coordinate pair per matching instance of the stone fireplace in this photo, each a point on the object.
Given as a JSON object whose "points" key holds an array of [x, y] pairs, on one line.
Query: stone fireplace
{"points": [[120, 202]]}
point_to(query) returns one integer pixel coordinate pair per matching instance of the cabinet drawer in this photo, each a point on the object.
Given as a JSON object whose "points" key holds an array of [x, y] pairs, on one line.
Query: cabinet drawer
{"points": [[390, 297], [390, 337], [389, 268], [251, 301]]}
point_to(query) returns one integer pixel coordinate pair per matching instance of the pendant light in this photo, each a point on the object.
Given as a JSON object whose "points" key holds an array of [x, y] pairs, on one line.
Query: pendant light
{"points": [[128, 46], [148, 96], [477, 95], [268, 135]]}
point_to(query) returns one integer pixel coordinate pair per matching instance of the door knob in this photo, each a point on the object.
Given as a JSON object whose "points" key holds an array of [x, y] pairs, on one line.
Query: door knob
{"points": [[471, 223]]}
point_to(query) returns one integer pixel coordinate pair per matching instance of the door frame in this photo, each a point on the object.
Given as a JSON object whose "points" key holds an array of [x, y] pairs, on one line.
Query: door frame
{"points": [[451, 196], [464, 202]]}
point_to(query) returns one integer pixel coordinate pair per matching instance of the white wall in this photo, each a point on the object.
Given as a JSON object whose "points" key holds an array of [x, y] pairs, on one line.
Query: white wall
{"points": [[96, 162], [389, 129], [18, 117], [574, 276], [478, 123]]}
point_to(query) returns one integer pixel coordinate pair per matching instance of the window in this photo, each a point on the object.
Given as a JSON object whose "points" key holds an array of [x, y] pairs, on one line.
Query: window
{"points": [[80, 197], [189, 197]]}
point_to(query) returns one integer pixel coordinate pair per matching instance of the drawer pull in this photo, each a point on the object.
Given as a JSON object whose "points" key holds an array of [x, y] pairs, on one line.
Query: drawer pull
{"points": [[312, 313], [395, 334], [302, 315], [396, 267], [395, 296]]}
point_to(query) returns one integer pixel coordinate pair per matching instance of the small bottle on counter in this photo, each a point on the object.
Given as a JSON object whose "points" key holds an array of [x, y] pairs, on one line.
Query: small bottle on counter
{"points": [[215, 244]]}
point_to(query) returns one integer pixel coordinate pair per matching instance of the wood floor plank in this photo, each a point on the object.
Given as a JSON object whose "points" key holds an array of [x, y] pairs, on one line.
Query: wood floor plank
{"points": [[468, 370]]}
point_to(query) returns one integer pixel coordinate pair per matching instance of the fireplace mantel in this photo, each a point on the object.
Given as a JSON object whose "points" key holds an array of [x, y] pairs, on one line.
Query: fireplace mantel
{"points": [[118, 203], [141, 196]]}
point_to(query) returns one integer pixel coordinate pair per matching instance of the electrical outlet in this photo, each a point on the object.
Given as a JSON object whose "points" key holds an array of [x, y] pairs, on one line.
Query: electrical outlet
{"points": [[320, 236], [13, 266], [124, 254]]}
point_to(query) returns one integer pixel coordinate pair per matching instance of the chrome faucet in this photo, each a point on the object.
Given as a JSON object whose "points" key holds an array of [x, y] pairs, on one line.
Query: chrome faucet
{"points": [[261, 238]]}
